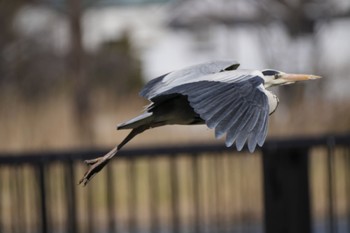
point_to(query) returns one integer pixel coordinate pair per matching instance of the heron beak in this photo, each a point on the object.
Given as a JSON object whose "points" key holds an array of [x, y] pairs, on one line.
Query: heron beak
{"points": [[298, 77]]}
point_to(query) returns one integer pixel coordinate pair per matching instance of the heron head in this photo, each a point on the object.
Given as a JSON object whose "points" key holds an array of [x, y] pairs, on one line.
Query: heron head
{"points": [[278, 78]]}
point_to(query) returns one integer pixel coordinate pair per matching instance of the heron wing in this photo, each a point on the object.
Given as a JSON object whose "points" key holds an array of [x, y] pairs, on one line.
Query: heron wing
{"points": [[238, 108], [167, 81]]}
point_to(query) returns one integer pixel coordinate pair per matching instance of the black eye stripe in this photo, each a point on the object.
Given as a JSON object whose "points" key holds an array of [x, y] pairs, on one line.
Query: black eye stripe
{"points": [[270, 72]]}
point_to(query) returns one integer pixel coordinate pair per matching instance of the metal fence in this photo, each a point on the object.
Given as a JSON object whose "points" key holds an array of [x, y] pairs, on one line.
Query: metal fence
{"points": [[294, 185]]}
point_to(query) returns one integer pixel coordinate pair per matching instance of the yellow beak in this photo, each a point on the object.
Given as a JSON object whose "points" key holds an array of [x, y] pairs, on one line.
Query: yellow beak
{"points": [[298, 77]]}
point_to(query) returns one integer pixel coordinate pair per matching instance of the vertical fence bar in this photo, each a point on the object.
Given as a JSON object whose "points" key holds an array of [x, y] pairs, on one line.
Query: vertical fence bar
{"points": [[153, 194], [220, 191], [196, 193], [347, 185], [286, 190], [132, 197], [233, 182], [214, 224], [42, 197], [70, 197], [14, 202], [19, 199], [110, 199], [90, 209], [48, 194], [8, 208], [2, 190], [227, 190], [330, 185], [174, 190]]}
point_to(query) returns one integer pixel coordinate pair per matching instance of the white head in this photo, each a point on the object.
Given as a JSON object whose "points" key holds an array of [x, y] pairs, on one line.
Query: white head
{"points": [[278, 78]]}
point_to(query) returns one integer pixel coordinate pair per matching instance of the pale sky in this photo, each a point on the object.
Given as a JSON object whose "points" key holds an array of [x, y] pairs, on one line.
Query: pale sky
{"points": [[162, 50]]}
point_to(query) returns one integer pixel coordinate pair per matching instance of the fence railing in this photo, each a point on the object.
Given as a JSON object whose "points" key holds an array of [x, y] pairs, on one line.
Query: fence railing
{"points": [[292, 185]]}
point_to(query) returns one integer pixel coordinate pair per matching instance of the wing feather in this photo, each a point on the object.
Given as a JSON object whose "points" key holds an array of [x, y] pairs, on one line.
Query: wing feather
{"points": [[263, 131], [215, 93], [175, 78], [213, 109], [241, 132], [238, 107], [254, 120], [260, 130], [217, 117], [229, 123], [209, 104]]}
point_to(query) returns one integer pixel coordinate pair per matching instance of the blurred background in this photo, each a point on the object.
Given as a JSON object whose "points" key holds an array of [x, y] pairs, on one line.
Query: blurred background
{"points": [[71, 70]]}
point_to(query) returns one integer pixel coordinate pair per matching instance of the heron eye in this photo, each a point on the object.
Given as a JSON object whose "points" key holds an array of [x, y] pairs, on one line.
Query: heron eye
{"points": [[276, 76]]}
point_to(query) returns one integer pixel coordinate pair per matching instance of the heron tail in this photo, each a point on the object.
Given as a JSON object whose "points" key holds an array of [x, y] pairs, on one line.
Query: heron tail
{"points": [[144, 119]]}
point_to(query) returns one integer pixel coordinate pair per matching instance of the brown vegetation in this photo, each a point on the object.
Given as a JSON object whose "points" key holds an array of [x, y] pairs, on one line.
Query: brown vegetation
{"points": [[50, 123]]}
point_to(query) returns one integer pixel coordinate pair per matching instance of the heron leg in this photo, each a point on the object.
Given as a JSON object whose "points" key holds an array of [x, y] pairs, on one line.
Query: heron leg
{"points": [[96, 165]]}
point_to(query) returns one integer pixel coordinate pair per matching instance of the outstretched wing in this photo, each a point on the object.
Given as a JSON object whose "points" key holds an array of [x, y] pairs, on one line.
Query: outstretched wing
{"points": [[232, 102], [167, 81]]}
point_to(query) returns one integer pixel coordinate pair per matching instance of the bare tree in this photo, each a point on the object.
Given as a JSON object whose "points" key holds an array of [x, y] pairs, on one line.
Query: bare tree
{"points": [[77, 71]]}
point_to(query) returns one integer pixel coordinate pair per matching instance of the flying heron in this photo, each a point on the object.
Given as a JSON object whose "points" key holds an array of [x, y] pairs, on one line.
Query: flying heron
{"points": [[232, 101]]}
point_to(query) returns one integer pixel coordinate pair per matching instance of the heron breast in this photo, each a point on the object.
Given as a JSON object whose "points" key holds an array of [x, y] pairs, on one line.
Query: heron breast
{"points": [[273, 101]]}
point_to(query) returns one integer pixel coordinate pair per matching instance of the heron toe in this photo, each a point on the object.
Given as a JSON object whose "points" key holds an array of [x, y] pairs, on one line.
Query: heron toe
{"points": [[95, 166]]}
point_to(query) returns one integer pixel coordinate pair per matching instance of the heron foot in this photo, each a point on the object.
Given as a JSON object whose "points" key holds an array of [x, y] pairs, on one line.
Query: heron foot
{"points": [[95, 165], [93, 161]]}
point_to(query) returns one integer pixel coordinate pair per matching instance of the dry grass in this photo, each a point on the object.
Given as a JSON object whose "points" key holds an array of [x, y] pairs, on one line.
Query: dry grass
{"points": [[51, 124]]}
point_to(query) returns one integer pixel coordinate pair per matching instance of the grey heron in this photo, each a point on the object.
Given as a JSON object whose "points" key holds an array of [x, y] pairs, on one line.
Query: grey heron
{"points": [[232, 101]]}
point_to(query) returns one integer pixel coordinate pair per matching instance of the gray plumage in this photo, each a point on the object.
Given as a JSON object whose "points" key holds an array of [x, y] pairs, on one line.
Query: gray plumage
{"points": [[229, 100], [189, 74]]}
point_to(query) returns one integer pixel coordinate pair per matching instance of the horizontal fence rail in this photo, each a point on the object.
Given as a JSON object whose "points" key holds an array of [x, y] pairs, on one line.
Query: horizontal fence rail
{"points": [[192, 188], [78, 155]]}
